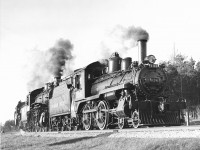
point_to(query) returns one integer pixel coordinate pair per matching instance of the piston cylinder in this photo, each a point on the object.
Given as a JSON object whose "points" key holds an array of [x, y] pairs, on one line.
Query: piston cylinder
{"points": [[110, 96]]}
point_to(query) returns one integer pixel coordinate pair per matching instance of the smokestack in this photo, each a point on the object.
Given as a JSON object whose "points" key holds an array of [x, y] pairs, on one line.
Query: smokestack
{"points": [[57, 80], [142, 50]]}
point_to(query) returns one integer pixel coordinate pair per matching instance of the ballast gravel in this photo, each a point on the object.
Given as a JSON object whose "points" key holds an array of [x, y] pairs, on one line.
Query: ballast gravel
{"points": [[174, 132]]}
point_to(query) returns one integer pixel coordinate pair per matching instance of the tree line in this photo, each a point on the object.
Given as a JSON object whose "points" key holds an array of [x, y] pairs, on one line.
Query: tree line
{"points": [[8, 126], [183, 80]]}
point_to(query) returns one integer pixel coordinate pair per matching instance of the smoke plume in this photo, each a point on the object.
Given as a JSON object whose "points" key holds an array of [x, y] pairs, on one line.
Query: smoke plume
{"points": [[59, 54], [136, 33], [43, 65], [122, 39]]}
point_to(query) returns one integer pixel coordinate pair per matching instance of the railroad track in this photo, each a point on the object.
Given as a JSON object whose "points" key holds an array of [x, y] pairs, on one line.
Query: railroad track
{"points": [[151, 132]]}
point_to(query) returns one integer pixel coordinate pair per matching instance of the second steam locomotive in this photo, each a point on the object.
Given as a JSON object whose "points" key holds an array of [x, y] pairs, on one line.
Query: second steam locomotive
{"points": [[105, 94]]}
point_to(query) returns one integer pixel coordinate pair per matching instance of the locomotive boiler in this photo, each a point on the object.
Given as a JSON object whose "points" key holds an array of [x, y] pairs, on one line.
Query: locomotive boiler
{"points": [[107, 94]]}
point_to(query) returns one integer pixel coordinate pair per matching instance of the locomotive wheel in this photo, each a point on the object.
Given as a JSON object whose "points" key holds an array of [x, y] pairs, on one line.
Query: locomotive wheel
{"points": [[68, 128], [57, 127], [68, 124], [121, 123], [136, 120], [74, 124], [87, 118], [102, 115], [75, 128]]}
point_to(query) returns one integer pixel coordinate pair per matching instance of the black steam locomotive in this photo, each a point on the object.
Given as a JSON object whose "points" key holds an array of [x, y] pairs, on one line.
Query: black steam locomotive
{"points": [[105, 94]]}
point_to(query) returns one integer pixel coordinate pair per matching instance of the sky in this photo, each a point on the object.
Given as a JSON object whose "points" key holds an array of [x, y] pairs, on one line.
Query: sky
{"points": [[27, 26]]}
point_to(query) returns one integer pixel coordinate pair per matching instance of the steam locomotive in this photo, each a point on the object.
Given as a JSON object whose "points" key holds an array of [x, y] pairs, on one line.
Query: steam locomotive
{"points": [[105, 94]]}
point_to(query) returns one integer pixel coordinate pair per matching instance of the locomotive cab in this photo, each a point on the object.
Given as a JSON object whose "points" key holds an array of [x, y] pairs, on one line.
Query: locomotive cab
{"points": [[83, 79]]}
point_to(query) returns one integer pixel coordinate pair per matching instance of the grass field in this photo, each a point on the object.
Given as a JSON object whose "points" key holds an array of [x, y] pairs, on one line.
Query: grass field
{"points": [[15, 141]]}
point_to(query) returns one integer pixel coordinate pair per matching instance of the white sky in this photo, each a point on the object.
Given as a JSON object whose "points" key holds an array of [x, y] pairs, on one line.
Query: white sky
{"points": [[37, 24]]}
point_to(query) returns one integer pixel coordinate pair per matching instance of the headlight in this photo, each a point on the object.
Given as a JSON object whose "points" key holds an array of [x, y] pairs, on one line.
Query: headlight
{"points": [[150, 59]]}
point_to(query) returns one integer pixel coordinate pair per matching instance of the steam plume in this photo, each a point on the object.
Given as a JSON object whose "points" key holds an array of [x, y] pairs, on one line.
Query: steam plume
{"points": [[103, 62]]}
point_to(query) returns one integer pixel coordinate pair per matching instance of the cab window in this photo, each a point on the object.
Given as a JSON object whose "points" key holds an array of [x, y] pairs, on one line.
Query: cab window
{"points": [[77, 82]]}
